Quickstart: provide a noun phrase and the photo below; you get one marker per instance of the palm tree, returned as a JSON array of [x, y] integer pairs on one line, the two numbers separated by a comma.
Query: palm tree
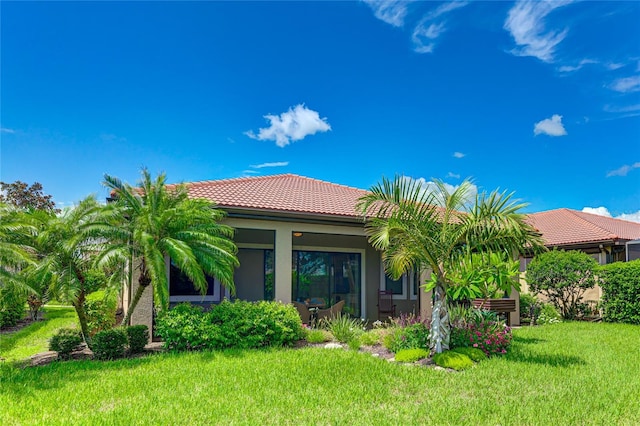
[[159, 222], [417, 227], [69, 244], [15, 251]]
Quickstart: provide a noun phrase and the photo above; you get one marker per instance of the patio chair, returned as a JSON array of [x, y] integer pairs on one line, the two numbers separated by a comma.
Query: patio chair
[[385, 304], [303, 311], [332, 312]]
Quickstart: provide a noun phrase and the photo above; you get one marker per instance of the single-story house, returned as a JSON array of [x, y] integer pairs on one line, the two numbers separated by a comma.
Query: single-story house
[[298, 238], [301, 239], [604, 238]]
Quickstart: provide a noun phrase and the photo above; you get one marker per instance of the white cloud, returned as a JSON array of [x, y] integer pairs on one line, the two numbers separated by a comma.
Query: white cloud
[[571, 68], [428, 186], [458, 154], [624, 170], [275, 164], [252, 172], [627, 84], [525, 22], [453, 175], [392, 12], [293, 125], [612, 66], [600, 211], [628, 108], [632, 217], [550, 126], [6, 130], [427, 31], [603, 211]]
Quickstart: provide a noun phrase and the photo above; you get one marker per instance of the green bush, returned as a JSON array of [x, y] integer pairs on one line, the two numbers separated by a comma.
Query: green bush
[[109, 344], [65, 341], [475, 354], [453, 360], [343, 327], [237, 324], [411, 355], [620, 284], [563, 277], [101, 315], [371, 337], [11, 314], [137, 338], [319, 336], [548, 315], [407, 332], [186, 327], [246, 325], [527, 302]]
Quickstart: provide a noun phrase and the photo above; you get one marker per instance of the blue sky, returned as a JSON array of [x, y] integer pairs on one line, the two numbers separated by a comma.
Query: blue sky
[[538, 98]]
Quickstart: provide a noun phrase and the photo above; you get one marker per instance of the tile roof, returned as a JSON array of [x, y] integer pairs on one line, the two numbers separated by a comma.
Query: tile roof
[[565, 227], [286, 192]]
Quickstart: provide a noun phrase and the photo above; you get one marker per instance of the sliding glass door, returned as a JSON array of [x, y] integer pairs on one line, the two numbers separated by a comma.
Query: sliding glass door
[[325, 278]]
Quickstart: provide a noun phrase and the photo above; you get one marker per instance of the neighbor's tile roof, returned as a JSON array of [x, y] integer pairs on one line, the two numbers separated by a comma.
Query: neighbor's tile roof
[[286, 192], [565, 226]]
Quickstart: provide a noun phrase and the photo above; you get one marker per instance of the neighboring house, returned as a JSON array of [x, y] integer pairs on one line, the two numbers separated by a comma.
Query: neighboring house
[[604, 238], [298, 238]]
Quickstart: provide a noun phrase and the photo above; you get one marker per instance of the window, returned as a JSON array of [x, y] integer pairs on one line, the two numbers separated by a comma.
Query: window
[[398, 287], [181, 288]]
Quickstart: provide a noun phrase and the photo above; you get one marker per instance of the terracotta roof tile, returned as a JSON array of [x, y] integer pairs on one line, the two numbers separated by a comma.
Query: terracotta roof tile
[[565, 227], [286, 192]]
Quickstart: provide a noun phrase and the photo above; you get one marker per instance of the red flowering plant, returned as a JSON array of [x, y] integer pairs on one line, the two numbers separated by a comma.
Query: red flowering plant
[[481, 331]]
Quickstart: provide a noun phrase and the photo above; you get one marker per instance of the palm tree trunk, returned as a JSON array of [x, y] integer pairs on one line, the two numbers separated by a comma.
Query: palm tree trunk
[[440, 326], [82, 318], [134, 302]]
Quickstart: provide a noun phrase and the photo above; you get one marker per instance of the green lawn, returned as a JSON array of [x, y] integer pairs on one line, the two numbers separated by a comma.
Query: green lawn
[[35, 337], [565, 374]]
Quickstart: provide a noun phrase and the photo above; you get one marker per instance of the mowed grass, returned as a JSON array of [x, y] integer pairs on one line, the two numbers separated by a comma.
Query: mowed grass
[[565, 374], [34, 338]]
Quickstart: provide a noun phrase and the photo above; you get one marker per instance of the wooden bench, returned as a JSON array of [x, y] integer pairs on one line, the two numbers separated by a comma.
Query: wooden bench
[[500, 306]]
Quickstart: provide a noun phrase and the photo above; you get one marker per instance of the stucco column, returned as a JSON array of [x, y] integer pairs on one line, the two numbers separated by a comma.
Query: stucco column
[[514, 317], [283, 249]]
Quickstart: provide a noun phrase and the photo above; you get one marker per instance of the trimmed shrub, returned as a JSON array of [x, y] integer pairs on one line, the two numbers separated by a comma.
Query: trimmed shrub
[[65, 341], [137, 337], [319, 336], [453, 360], [563, 277], [475, 354], [101, 315], [247, 325], [185, 327], [620, 284], [411, 355], [239, 324], [109, 344]]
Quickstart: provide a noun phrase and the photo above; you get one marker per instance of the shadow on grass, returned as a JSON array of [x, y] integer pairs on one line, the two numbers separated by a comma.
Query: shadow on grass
[[17, 379], [10, 340], [548, 359]]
